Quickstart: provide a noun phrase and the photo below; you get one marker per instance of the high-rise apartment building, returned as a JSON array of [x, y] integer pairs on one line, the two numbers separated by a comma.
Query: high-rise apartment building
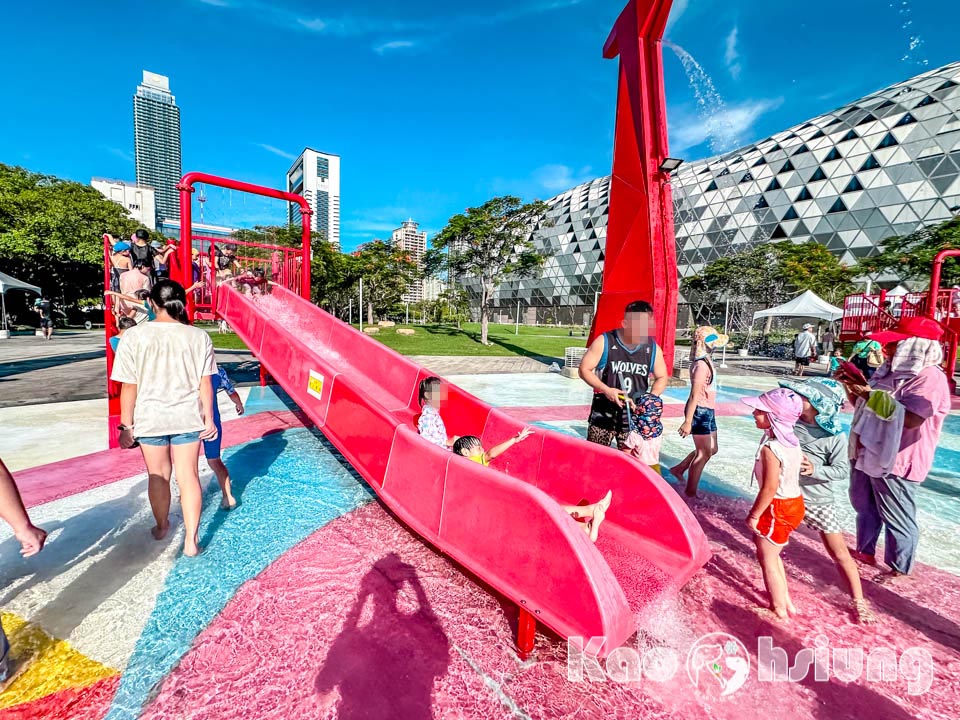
[[156, 140], [316, 176], [408, 238]]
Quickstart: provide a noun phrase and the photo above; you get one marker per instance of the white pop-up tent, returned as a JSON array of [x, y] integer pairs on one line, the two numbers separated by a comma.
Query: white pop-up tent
[[11, 283], [806, 305]]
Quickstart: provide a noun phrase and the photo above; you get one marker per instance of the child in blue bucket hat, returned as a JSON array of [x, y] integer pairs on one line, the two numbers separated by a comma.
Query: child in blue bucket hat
[[824, 466]]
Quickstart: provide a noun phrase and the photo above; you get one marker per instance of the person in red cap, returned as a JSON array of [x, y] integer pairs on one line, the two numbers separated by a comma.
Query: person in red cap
[[912, 377]]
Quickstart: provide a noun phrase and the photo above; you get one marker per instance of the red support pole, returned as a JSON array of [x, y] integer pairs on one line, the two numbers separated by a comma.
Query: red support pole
[[640, 261], [109, 330], [526, 633]]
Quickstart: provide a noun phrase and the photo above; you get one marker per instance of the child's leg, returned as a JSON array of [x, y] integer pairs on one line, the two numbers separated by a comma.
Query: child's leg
[[223, 480], [768, 555], [595, 511], [837, 548], [791, 608], [678, 471], [706, 448]]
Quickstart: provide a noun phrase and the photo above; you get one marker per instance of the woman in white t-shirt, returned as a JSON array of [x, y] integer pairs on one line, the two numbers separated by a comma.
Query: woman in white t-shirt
[[166, 404]]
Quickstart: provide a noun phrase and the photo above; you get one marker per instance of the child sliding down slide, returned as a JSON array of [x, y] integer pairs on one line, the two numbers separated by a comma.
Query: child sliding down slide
[[591, 515]]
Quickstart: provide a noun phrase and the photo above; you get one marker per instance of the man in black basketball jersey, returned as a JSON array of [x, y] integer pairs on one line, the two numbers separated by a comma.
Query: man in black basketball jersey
[[621, 365]]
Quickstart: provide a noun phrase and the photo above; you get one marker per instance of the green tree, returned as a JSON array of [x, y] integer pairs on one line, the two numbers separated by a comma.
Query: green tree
[[51, 233], [488, 243], [910, 257], [387, 273], [768, 274]]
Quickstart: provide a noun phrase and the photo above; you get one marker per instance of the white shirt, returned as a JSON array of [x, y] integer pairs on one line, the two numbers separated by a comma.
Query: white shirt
[[789, 457], [166, 361], [805, 344]]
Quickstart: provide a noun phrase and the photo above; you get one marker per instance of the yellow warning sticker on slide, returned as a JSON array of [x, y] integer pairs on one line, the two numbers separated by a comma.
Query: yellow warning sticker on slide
[[315, 385]]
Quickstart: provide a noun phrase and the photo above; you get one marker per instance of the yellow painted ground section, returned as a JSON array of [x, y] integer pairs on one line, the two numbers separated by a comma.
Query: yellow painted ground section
[[54, 665]]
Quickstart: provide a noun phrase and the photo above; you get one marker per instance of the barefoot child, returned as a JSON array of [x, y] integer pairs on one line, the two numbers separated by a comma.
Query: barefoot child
[[825, 463], [700, 411], [430, 424], [591, 515], [778, 509], [211, 448]]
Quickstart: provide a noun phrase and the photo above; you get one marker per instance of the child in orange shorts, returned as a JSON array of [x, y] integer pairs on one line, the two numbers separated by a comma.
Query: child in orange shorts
[[778, 509]]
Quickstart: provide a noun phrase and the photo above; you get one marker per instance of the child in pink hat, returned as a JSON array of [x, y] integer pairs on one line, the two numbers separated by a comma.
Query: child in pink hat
[[778, 509]]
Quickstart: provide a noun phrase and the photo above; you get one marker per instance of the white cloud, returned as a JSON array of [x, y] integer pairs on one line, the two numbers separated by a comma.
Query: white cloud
[[394, 45], [276, 151], [736, 121], [732, 56], [557, 178], [365, 25], [544, 182], [122, 154], [676, 12]]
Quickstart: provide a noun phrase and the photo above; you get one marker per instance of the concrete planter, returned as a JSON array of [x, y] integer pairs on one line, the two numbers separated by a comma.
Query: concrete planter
[[743, 352]]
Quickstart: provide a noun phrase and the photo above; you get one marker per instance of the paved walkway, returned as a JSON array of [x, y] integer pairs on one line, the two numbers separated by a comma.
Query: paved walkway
[[72, 366], [458, 365]]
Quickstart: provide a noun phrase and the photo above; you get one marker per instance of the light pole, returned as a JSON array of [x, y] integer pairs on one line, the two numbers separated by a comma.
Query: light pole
[[361, 304], [726, 330], [350, 312], [517, 331]]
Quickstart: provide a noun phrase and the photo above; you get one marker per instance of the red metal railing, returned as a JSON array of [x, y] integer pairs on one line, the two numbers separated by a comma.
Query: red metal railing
[[280, 264]]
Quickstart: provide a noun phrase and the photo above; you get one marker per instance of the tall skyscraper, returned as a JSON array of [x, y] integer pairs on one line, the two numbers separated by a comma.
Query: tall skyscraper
[[316, 176], [156, 138], [408, 238]]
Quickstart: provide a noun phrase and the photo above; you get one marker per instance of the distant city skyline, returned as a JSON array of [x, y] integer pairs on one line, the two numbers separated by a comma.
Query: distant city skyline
[[156, 142], [412, 97]]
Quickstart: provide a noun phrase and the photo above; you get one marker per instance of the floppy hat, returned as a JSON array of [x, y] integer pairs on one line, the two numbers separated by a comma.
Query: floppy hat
[[121, 246], [710, 337], [783, 408], [827, 397], [911, 327]]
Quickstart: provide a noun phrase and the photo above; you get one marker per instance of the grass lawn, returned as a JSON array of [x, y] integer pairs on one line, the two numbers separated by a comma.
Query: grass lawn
[[545, 342]]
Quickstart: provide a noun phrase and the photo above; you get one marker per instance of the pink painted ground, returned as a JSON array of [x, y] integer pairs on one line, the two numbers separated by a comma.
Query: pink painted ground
[[363, 620]]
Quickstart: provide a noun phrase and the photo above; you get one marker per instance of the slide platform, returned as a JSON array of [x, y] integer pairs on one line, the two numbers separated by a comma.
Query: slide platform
[[503, 523]]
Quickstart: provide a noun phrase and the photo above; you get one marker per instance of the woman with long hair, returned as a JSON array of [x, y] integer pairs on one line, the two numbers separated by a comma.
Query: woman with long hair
[[166, 404]]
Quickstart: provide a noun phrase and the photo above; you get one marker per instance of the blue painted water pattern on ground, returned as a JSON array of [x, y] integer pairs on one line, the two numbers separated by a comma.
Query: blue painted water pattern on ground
[[288, 485], [267, 399]]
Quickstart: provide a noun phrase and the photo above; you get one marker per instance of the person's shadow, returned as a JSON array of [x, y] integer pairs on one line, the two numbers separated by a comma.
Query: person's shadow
[[385, 666]]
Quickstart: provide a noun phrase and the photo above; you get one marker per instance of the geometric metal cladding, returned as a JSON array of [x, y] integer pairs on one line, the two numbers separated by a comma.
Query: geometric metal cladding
[[885, 165]]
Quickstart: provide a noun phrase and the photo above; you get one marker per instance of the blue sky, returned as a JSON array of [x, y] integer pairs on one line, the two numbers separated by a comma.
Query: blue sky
[[432, 106]]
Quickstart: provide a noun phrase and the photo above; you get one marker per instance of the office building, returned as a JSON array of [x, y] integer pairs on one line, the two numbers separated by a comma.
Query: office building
[[316, 176], [156, 139], [885, 165], [138, 200]]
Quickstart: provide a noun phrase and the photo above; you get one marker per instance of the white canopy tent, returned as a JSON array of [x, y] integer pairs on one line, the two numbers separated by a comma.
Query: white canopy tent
[[806, 305], [11, 283]]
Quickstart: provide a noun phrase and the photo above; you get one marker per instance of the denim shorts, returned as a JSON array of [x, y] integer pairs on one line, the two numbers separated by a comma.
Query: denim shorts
[[165, 440], [704, 421]]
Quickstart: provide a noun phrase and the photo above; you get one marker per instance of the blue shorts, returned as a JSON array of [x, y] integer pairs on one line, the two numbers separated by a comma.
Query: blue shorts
[[704, 422], [211, 448], [165, 440]]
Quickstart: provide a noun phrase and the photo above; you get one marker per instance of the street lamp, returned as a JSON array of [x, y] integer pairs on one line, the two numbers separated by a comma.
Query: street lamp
[[669, 165]]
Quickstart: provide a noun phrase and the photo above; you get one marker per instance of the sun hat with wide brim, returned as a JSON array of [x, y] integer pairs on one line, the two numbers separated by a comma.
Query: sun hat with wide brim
[[910, 327], [710, 337], [783, 408], [827, 397]]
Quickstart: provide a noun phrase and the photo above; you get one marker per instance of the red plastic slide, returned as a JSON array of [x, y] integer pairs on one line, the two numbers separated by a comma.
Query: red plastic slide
[[503, 523]]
